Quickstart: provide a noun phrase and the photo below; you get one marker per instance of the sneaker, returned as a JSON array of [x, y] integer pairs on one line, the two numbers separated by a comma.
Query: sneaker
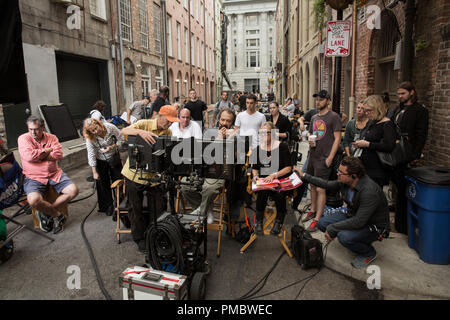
[[210, 219], [259, 228], [361, 262], [45, 222], [311, 215], [276, 229], [313, 226], [59, 223]]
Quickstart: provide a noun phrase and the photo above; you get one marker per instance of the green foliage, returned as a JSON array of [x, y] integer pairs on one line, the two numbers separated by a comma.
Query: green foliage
[[421, 44], [319, 13]]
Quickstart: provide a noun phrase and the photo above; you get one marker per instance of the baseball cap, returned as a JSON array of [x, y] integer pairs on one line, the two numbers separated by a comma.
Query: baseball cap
[[322, 94], [170, 112]]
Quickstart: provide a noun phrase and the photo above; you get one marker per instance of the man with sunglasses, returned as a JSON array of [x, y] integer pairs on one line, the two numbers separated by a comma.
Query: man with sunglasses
[[367, 217]]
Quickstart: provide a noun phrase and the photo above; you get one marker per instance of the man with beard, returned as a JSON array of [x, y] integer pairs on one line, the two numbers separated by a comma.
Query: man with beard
[[412, 121], [326, 125]]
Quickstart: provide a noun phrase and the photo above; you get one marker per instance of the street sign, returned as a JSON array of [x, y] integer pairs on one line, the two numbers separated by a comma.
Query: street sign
[[338, 38]]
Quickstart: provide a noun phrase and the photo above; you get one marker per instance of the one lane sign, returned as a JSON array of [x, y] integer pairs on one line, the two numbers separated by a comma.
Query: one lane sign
[[338, 38]]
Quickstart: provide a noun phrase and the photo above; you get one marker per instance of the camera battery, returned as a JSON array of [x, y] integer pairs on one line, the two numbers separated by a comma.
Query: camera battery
[[139, 283]]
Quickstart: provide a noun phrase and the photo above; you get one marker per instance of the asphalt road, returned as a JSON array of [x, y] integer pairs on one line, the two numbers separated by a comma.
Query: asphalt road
[[38, 269]]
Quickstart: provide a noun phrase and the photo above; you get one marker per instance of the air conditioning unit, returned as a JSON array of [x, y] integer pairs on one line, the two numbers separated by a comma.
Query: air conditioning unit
[[65, 2]]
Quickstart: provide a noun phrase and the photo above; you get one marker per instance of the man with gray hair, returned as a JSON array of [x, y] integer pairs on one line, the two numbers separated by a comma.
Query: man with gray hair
[[39, 152]]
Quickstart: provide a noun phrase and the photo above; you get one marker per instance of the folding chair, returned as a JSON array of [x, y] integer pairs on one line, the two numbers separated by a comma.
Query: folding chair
[[11, 194], [121, 208]]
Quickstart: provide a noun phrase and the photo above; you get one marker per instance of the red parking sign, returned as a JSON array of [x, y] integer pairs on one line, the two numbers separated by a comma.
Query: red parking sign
[[338, 38]]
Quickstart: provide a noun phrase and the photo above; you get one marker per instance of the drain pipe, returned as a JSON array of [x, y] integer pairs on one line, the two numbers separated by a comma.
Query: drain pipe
[[121, 52], [352, 98]]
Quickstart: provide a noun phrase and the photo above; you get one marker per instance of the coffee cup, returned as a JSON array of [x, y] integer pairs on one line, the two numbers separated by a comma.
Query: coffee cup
[[313, 139]]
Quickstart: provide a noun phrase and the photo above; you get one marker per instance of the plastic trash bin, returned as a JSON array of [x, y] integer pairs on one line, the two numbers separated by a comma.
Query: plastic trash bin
[[428, 193]]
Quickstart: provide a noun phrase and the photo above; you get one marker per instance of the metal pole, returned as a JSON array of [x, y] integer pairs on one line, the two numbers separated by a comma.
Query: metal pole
[[337, 76], [121, 51], [164, 18], [352, 99]]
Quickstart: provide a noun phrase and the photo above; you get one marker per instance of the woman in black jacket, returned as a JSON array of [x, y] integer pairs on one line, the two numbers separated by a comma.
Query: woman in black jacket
[[379, 135]]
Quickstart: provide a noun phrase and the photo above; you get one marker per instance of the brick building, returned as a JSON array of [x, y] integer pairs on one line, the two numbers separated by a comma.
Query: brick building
[[380, 61], [140, 24], [190, 29], [67, 57]]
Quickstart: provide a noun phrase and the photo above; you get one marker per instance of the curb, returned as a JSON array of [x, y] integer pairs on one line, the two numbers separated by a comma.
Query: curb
[[402, 272]]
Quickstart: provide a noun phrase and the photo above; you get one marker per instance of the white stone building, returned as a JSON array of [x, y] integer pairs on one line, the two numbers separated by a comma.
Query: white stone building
[[251, 50]]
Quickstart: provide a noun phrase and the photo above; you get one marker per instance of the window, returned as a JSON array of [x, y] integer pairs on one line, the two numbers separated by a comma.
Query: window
[[192, 49], [191, 5], [202, 60], [145, 80], [98, 8], [143, 23], [252, 42], [362, 14], [252, 32], [198, 52], [201, 13], [125, 19], [252, 59], [186, 4], [179, 41], [157, 18], [158, 79], [186, 41], [169, 36], [251, 20]]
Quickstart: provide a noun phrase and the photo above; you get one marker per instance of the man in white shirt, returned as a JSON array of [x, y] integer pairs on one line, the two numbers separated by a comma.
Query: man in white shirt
[[135, 110], [249, 121], [186, 128]]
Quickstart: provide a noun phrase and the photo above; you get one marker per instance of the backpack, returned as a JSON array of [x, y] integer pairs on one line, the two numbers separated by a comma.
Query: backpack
[[307, 250]]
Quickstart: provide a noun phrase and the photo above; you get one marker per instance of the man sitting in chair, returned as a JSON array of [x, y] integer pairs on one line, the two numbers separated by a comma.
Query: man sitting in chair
[[135, 186], [367, 216], [39, 152], [279, 166], [202, 200]]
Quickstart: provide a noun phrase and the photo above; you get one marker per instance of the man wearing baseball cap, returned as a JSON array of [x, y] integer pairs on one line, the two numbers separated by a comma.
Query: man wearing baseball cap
[[325, 127], [135, 186]]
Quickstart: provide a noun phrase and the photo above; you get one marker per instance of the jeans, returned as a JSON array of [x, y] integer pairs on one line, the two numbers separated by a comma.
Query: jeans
[[302, 189], [358, 241]]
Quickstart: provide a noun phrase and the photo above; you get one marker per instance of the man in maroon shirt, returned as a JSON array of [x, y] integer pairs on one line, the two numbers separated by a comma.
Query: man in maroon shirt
[[39, 152]]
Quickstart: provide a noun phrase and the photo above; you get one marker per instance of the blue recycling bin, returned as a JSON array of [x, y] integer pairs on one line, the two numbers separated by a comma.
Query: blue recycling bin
[[428, 194]]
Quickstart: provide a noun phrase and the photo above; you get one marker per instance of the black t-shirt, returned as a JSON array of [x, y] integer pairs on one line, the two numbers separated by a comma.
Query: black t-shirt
[[159, 102], [196, 107], [283, 162], [283, 124]]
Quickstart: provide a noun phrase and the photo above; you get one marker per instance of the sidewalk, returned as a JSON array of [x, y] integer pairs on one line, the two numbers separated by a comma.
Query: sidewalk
[[401, 269]]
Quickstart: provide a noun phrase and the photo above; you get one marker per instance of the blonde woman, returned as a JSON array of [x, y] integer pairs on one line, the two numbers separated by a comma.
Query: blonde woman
[[102, 143], [279, 167], [379, 135]]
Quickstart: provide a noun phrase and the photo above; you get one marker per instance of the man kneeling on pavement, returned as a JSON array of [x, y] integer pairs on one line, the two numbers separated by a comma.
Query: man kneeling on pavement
[[367, 216]]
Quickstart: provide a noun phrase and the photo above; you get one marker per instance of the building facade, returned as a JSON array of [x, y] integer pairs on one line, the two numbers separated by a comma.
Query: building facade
[[396, 41], [138, 50], [251, 46], [67, 56], [190, 34]]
